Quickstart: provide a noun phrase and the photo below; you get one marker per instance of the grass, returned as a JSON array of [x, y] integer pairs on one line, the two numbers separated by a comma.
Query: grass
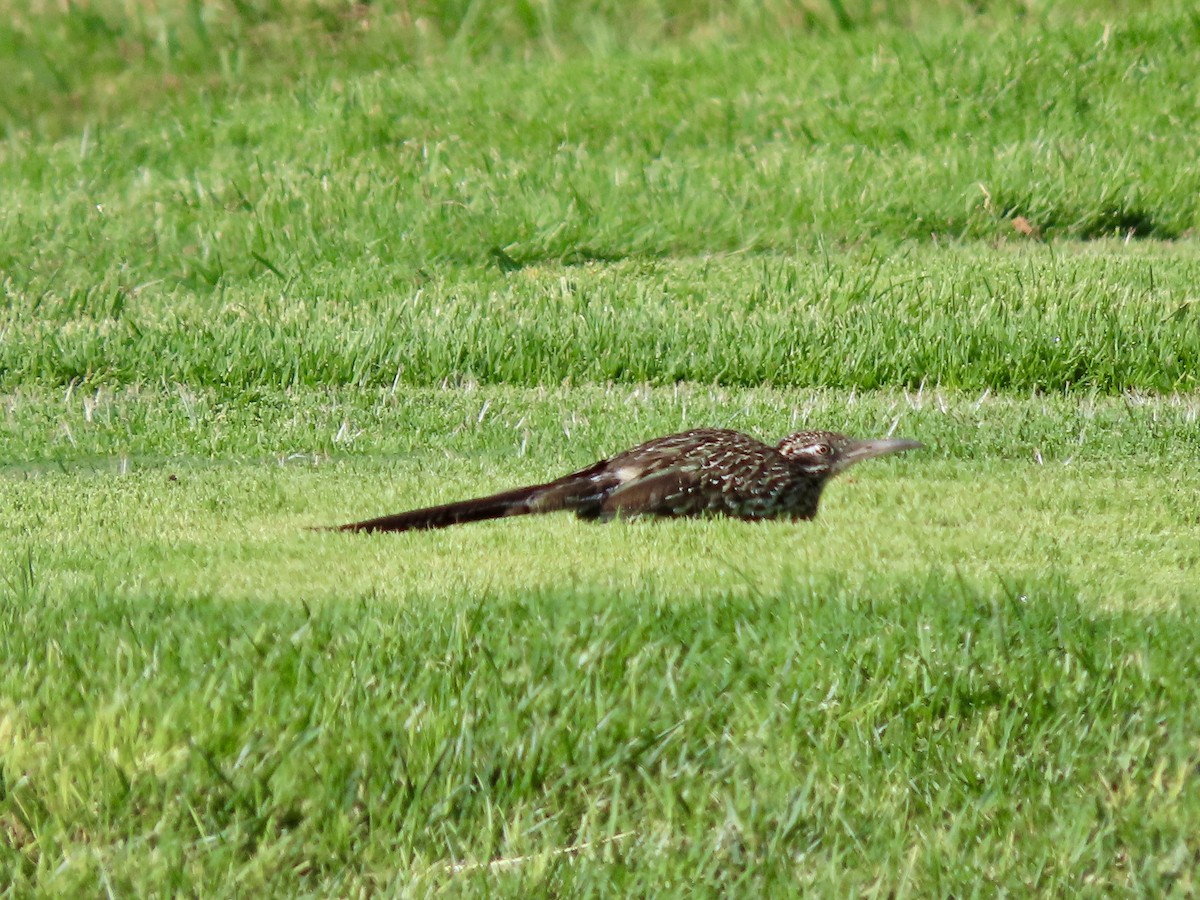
[[769, 147], [970, 505], [903, 733], [1107, 319], [968, 647], [129, 53], [268, 265]]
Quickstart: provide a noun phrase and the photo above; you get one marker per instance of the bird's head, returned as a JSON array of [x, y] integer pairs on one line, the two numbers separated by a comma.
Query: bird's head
[[824, 454]]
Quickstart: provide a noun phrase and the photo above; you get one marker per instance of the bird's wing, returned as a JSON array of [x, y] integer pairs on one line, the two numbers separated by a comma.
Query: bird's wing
[[673, 491], [673, 476], [580, 491], [676, 475]]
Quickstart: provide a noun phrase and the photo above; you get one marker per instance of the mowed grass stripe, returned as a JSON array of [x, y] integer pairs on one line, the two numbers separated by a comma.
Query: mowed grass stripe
[[473, 428], [203, 499], [1118, 539], [898, 731], [1099, 319]]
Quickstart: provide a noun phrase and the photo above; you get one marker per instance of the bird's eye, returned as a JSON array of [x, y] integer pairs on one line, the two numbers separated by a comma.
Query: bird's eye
[[821, 449]]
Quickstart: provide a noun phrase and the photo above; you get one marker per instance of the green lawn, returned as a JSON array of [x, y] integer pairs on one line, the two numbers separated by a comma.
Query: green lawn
[[272, 264]]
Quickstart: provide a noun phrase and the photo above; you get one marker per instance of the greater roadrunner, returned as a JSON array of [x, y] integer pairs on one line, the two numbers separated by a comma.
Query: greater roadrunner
[[707, 471]]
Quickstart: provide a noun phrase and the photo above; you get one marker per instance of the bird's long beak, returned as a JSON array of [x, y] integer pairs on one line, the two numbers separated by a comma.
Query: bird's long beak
[[871, 449]]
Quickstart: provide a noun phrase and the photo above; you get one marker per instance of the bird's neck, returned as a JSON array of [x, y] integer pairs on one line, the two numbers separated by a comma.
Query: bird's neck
[[805, 497]]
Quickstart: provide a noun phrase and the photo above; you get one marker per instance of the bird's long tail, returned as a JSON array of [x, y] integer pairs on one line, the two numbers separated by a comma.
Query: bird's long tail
[[580, 491], [519, 502]]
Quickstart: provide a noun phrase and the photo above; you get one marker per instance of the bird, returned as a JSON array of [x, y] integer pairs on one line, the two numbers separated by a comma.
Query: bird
[[701, 472]]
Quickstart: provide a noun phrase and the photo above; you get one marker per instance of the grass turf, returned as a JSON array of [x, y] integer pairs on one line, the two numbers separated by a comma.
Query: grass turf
[[1105, 318], [894, 733], [284, 264], [968, 647]]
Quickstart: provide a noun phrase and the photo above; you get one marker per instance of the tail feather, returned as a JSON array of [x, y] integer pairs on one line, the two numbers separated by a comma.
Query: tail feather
[[579, 492], [497, 506]]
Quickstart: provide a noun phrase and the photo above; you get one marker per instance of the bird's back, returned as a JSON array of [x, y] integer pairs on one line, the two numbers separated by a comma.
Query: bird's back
[[705, 470]]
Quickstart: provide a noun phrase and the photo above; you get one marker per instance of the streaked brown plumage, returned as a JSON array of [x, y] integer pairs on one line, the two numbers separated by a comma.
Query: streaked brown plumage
[[707, 471]]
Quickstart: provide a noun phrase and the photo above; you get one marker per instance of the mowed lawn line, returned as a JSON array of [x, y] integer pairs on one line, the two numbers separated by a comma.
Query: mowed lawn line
[[212, 496], [1117, 537], [1095, 318], [464, 430], [902, 729]]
